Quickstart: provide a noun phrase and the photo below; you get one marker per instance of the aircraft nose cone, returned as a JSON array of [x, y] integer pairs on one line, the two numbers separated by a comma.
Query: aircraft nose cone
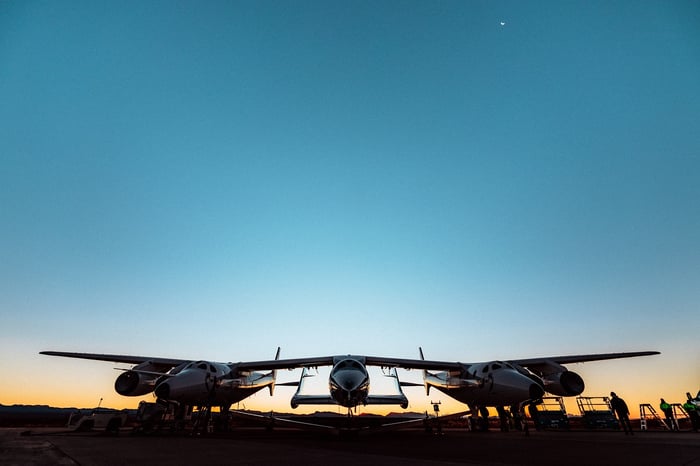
[[163, 391], [536, 391]]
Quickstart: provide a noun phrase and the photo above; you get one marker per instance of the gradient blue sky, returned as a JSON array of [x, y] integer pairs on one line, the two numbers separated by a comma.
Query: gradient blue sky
[[214, 179]]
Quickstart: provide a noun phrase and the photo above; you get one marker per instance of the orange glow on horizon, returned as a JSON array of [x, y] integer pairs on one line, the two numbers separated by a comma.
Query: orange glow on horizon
[[264, 403]]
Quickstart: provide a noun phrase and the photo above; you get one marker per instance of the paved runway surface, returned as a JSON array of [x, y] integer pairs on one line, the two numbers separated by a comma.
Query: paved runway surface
[[411, 447]]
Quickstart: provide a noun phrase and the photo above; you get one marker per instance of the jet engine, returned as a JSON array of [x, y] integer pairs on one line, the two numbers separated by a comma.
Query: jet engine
[[135, 383], [564, 383]]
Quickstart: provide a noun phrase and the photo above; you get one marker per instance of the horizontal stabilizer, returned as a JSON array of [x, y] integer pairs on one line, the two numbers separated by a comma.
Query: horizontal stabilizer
[[288, 384], [387, 400], [411, 384], [313, 400]]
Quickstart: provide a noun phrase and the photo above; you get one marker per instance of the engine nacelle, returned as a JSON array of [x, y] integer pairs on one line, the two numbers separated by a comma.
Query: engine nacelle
[[564, 383], [134, 383]]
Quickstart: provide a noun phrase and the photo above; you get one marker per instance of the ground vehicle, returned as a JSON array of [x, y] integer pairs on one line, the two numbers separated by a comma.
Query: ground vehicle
[[109, 420]]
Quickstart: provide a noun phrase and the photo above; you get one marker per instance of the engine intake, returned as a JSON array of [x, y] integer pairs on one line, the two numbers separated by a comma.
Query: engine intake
[[134, 383], [565, 383]]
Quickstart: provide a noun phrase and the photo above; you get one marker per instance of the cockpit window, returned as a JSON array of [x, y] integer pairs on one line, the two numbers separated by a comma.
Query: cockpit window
[[495, 366], [349, 364], [211, 368], [485, 369], [202, 366]]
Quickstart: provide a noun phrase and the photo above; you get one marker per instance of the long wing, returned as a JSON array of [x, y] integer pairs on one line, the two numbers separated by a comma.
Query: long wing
[[270, 364], [369, 360], [581, 358], [428, 364], [412, 363], [285, 363], [534, 363], [328, 361], [118, 358]]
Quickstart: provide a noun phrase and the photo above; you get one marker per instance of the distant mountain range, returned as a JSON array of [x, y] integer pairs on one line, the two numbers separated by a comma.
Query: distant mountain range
[[41, 415]]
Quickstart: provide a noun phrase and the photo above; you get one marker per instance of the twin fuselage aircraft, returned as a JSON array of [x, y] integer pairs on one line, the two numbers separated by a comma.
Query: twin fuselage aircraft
[[495, 383]]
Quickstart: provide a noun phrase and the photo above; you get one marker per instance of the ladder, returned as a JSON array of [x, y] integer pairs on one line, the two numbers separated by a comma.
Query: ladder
[[679, 410], [643, 408], [678, 413]]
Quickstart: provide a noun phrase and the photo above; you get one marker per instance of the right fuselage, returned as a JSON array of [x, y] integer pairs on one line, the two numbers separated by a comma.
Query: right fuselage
[[488, 384]]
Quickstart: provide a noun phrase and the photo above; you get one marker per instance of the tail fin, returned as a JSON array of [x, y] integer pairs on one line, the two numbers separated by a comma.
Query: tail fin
[[274, 374], [425, 372]]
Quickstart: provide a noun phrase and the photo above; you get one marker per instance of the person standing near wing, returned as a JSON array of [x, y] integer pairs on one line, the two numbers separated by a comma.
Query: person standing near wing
[[668, 412], [620, 408]]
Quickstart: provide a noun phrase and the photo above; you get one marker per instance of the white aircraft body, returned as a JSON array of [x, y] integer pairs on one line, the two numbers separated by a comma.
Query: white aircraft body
[[494, 383]]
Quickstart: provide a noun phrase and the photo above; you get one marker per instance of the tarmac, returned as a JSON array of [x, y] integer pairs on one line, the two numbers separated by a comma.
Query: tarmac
[[256, 446]]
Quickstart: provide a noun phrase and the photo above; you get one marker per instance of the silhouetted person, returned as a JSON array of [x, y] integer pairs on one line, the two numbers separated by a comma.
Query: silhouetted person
[[503, 417], [668, 412], [517, 417], [692, 411], [620, 409], [484, 418]]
